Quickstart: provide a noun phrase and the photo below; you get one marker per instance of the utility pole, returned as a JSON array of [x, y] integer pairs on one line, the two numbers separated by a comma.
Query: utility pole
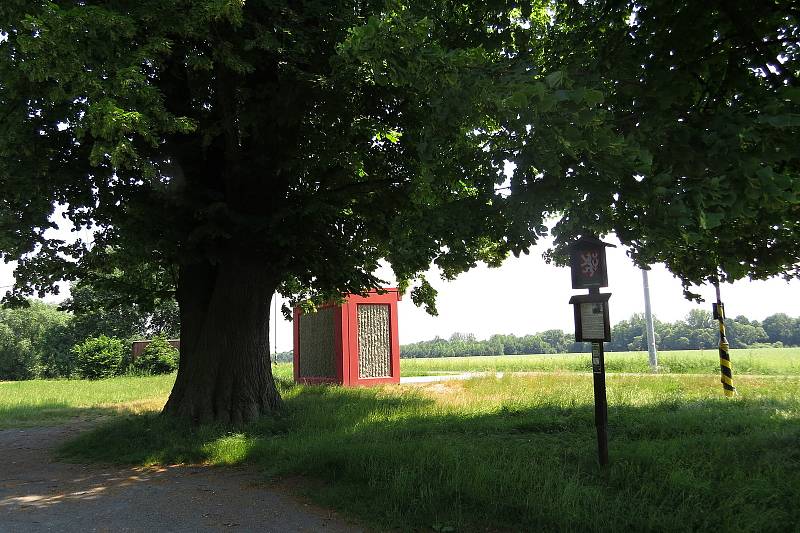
[[650, 334], [275, 328]]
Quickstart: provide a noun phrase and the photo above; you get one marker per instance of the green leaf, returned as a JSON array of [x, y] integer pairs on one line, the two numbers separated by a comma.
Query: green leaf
[[555, 79]]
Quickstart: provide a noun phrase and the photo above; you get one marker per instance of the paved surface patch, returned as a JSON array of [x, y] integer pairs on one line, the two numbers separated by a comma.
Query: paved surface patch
[[443, 377], [38, 494]]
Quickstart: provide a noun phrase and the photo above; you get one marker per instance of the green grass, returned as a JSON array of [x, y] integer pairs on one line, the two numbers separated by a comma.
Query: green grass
[[49, 402], [761, 361], [516, 453]]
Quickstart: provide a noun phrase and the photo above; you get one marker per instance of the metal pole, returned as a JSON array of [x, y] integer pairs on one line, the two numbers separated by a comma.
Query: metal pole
[[650, 335], [275, 328], [724, 355], [600, 402]]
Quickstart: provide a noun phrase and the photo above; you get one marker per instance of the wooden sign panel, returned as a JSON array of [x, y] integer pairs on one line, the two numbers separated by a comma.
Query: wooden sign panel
[[588, 263], [591, 317]]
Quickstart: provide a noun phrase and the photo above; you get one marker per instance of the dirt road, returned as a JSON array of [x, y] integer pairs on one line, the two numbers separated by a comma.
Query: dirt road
[[40, 494]]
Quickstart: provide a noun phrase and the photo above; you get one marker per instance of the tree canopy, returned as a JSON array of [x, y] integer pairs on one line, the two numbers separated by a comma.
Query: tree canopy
[[709, 93], [374, 125], [245, 146], [99, 307]]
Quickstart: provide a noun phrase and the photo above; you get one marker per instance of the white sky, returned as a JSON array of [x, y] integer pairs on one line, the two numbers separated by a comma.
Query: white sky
[[526, 295]]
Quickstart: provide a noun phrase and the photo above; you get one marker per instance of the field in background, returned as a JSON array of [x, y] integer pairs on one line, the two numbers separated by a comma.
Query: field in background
[[762, 361], [49, 402], [42, 402]]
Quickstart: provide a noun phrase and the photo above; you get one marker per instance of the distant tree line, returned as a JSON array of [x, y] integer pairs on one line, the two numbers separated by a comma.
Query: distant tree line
[[283, 357], [698, 330], [90, 335], [87, 335], [463, 344]]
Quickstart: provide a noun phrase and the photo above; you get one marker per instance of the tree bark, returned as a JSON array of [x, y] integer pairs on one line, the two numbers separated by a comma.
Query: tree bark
[[224, 373]]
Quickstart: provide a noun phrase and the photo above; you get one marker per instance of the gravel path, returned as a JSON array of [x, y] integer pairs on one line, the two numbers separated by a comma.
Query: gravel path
[[38, 494]]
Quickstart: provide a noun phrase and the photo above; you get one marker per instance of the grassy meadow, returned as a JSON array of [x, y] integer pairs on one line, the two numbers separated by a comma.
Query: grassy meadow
[[761, 361], [510, 453], [50, 402]]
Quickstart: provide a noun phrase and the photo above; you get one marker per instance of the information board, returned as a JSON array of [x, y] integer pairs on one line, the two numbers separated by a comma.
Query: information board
[[593, 324], [591, 317]]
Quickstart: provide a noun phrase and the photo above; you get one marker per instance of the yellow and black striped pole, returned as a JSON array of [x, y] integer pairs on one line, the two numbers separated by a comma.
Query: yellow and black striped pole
[[724, 354]]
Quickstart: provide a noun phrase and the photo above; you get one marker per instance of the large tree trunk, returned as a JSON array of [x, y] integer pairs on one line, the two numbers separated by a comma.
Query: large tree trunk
[[224, 373]]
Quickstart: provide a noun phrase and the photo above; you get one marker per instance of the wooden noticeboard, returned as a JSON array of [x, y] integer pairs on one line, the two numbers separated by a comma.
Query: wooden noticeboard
[[591, 317]]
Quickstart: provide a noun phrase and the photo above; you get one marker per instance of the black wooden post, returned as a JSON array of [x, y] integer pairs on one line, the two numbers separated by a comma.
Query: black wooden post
[[600, 402]]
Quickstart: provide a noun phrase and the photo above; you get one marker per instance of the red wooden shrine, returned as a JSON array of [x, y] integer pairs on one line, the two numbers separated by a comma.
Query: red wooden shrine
[[355, 343]]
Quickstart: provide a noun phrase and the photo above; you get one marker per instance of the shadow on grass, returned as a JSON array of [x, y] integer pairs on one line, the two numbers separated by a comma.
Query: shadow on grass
[[402, 461]]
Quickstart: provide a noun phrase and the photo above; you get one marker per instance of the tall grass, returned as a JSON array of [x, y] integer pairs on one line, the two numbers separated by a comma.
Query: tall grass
[[515, 453], [762, 361]]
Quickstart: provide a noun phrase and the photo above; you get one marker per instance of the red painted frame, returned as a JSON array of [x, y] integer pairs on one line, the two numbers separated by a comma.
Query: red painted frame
[[346, 340]]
